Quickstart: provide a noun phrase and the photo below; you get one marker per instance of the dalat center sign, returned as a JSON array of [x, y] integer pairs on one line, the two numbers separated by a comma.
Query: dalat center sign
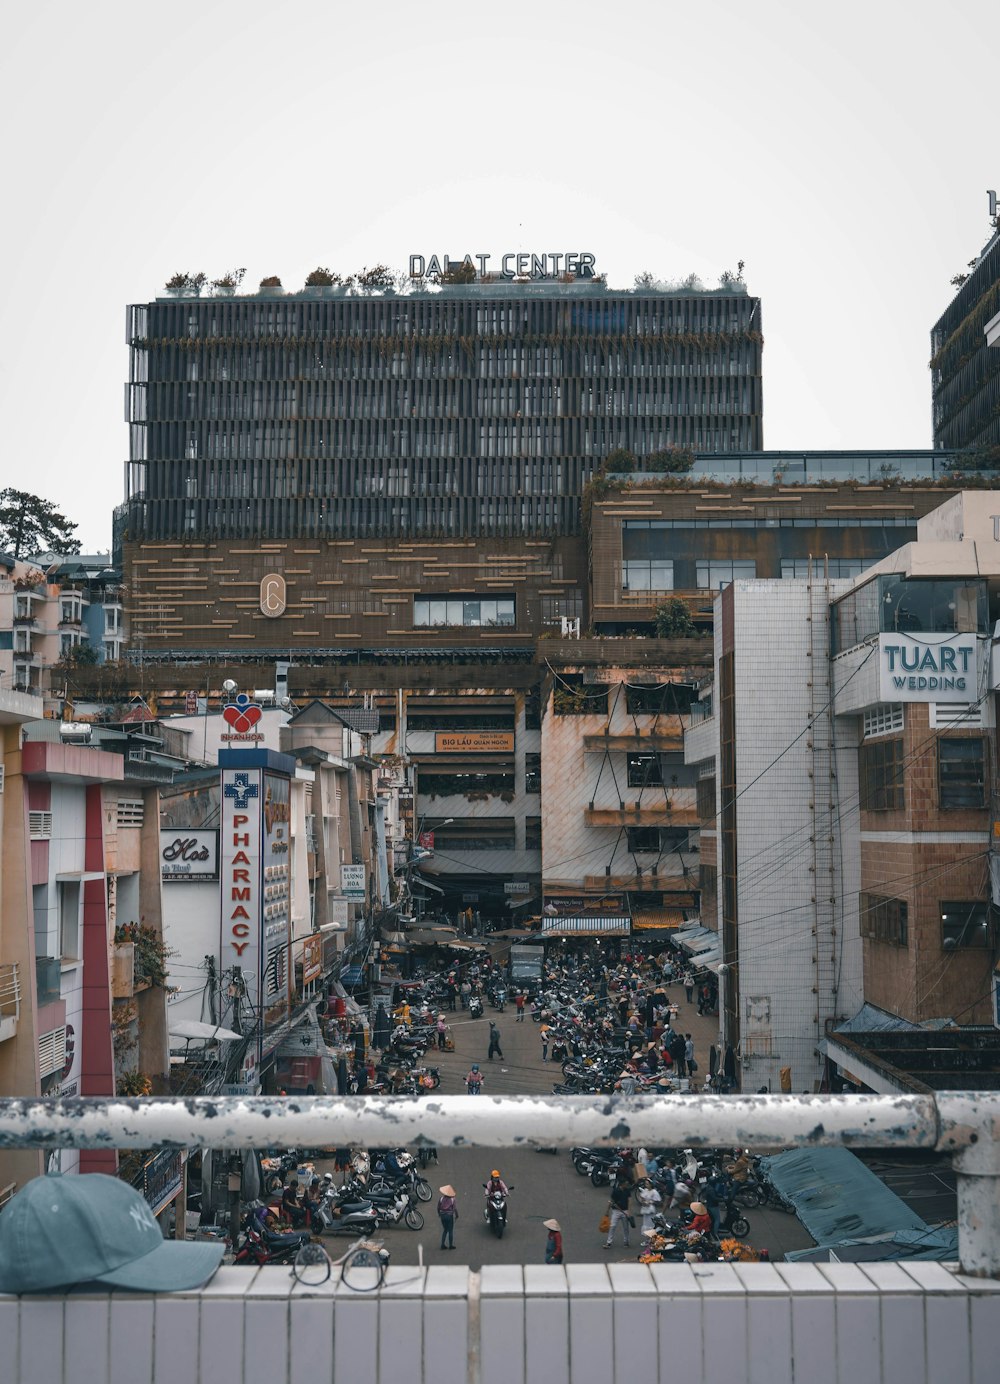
[[514, 264]]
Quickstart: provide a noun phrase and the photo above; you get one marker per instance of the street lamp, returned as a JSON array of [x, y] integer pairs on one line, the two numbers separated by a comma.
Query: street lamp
[[413, 845]]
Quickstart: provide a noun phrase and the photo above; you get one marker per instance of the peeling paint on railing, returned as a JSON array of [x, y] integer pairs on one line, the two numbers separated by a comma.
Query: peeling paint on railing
[[964, 1124]]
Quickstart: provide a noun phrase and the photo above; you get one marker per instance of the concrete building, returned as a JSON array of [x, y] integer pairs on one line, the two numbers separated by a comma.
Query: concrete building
[[851, 821]]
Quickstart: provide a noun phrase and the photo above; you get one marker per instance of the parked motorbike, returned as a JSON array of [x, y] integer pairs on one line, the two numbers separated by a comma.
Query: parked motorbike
[[262, 1246], [337, 1215]]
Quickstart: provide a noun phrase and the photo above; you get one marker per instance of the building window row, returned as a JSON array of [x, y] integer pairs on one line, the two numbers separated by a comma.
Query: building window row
[[444, 611]]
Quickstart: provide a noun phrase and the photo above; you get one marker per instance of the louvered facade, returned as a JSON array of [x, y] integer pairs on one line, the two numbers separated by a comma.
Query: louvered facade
[[475, 411], [965, 371]]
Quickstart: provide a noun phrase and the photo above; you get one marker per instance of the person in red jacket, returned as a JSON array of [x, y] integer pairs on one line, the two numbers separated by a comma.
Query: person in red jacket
[[702, 1221], [553, 1245]]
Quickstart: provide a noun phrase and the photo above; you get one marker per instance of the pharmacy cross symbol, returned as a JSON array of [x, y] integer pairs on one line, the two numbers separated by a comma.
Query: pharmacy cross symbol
[[241, 790]]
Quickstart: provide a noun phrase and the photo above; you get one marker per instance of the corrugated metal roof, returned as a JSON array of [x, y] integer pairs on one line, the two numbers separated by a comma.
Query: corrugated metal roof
[[871, 1019], [581, 926], [362, 719]]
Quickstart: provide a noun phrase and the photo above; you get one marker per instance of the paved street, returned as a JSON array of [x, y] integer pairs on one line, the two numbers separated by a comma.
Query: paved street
[[544, 1185]]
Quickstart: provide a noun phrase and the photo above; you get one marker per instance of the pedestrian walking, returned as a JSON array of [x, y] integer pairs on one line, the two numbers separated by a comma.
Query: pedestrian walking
[[448, 1213], [618, 1211], [494, 1042], [442, 1031], [554, 1244], [544, 1034], [649, 1201], [692, 1065], [688, 984], [519, 1006]]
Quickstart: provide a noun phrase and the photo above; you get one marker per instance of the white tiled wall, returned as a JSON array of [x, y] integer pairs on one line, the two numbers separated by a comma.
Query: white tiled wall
[[917, 1323]]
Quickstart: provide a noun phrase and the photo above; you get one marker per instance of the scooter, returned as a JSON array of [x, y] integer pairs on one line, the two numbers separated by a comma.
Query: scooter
[[495, 1212], [475, 1007], [336, 1216], [400, 1206], [262, 1246]]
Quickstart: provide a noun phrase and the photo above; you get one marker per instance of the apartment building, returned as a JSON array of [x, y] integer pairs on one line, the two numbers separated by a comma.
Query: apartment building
[[852, 772]]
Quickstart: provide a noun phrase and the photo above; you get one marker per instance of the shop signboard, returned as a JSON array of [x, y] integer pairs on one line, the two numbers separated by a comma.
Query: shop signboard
[[474, 742], [352, 882], [191, 856], [276, 882], [927, 668], [240, 874], [312, 958]]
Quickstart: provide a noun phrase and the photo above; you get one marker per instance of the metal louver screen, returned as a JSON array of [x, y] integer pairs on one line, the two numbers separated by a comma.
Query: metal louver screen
[[130, 812], [40, 826], [52, 1052]]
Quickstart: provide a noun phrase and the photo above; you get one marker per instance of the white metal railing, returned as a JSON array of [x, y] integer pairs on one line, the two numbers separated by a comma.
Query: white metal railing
[[10, 992], [964, 1124]]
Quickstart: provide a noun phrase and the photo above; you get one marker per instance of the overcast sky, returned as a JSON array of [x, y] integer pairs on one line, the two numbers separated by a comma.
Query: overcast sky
[[843, 152]]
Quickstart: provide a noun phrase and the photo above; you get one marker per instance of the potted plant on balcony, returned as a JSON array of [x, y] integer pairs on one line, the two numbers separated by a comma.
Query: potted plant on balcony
[[227, 285]]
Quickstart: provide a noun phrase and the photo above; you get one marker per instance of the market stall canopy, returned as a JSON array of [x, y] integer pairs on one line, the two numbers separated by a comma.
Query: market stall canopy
[[431, 936], [398, 938], [191, 1028], [645, 919], [603, 925]]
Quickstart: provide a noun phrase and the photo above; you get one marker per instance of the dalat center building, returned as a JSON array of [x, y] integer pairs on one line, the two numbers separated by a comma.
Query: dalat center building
[[414, 498], [385, 491]]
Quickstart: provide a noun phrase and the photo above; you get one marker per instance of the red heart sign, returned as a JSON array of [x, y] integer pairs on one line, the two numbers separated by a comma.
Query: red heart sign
[[241, 718]]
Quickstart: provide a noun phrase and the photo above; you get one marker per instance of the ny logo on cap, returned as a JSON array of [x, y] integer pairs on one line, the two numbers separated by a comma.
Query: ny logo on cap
[[142, 1216]]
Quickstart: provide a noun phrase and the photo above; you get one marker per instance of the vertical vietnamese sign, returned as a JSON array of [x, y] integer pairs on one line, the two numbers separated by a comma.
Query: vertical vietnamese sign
[[240, 874], [276, 892]]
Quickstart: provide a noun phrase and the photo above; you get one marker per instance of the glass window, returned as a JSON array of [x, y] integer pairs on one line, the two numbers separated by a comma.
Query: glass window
[[532, 833], [643, 840], [961, 772], [641, 574], [881, 775], [892, 604], [460, 612], [713, 575], [833, 567], [644, 771], [884, 920], [965, 925], [532, 773]]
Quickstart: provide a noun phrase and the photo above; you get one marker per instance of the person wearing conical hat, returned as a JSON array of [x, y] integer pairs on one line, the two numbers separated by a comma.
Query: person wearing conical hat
[[554, 1244], [447, 1209]]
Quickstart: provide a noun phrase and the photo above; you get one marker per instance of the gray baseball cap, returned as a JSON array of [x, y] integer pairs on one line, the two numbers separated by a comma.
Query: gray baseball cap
[[58, 1232]]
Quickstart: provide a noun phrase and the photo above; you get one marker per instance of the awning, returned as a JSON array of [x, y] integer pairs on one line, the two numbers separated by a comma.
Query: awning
[[704, 941], [426, 884], [586, 926], [644, 919], [192, 1028], [78, 876]]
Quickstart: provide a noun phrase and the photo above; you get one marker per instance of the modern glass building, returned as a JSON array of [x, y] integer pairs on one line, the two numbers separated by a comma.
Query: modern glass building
[[477, 410], [965, 371]]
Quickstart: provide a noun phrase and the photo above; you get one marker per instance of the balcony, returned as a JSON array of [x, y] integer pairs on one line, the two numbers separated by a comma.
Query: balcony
[[711, 1323], [634, 814], [10, 1001], [48, 971]]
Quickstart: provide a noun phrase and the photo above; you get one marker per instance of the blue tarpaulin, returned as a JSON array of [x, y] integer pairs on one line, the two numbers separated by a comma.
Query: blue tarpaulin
[[841, 1202], [351, 975]]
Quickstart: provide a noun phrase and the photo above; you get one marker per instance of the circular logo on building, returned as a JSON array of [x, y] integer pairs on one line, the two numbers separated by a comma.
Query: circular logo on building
[[272, 595]]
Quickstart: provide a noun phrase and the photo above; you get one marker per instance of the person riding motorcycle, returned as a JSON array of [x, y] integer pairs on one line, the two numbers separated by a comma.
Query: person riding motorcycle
[[496, 1184], [474, 1080]]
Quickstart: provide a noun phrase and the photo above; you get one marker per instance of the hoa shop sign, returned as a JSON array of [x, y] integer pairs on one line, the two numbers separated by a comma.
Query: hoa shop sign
[[240, 875], [927, 668]]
